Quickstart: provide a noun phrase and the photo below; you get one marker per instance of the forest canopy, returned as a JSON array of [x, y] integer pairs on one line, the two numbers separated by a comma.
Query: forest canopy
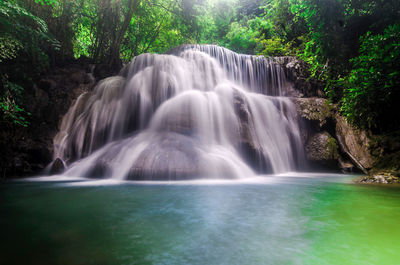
[[351, 45]]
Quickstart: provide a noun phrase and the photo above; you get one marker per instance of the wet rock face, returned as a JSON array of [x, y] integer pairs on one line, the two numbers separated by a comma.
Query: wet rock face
[[316, 127], [27, 151], [297, 72], [355, 143], [316, 110], [319, 135], [252, 153], [356, 149], [177, 156]]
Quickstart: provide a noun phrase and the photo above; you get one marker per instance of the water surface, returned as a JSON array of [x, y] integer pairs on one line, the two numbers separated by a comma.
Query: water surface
[[307, 219]]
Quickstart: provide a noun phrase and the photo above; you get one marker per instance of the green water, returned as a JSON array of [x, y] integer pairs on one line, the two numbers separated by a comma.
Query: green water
[[276, 220]]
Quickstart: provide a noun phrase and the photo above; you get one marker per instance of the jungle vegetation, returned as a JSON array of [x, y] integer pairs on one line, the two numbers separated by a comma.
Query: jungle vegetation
[[353, 46]]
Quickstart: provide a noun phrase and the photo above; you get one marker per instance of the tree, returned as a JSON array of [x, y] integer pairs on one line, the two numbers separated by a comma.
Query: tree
[[25, 35], [372, 88]]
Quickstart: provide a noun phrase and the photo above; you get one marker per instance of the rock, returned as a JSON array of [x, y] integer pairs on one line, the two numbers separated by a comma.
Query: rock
[[252, 153], [345, 165], [57, 166], [355, 143], [318, 116], [104, 70], [78, 77], [315, 116], [322, 148], [100, 169], [381, 177], [89, 78], [42, 98], [171, 154], [297, 72], [47, 84], [314, 109]]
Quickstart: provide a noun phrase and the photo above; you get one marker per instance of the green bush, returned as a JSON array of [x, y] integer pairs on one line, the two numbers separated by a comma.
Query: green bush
[[371, 93], [10, 111], [274, 47]]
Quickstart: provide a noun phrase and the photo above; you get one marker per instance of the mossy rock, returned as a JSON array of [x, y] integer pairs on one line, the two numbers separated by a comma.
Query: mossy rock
[[322, 147], [314, 109], [381, 178]]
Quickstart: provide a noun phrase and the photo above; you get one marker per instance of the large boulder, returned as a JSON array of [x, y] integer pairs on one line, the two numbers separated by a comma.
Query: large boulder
[[316, 110], [57, 166], [315, 115], [322, 149], [355, 143], [318, 132]]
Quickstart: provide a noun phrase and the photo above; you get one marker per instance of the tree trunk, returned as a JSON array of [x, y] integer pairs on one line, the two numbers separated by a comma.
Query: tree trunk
[[114, 59]]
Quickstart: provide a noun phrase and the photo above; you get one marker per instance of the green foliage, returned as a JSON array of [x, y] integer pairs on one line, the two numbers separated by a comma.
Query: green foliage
[[242, 38], [348, 44], [372, 87], [9, 47], [45, 2], [21, 30], [10, 111], [231, 23], [24, 38], [274, 47], [156, 27]]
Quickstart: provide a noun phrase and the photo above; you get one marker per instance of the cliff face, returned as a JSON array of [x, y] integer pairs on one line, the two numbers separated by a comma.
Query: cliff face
[[331, 142], [27, 151], [317, 125]]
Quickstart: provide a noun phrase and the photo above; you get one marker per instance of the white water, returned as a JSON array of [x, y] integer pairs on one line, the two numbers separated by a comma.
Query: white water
[[198, 112]]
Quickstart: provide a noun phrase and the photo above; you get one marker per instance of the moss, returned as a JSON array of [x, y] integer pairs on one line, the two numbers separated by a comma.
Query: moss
[[322, 146], [317, 109], [333, 147], [381, 177]]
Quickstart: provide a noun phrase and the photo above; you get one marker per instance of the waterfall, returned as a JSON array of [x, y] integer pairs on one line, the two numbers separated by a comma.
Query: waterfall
[[199, 111]]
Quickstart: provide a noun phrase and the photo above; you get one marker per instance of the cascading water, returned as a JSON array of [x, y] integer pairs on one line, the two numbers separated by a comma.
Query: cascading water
[[200, 111]]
